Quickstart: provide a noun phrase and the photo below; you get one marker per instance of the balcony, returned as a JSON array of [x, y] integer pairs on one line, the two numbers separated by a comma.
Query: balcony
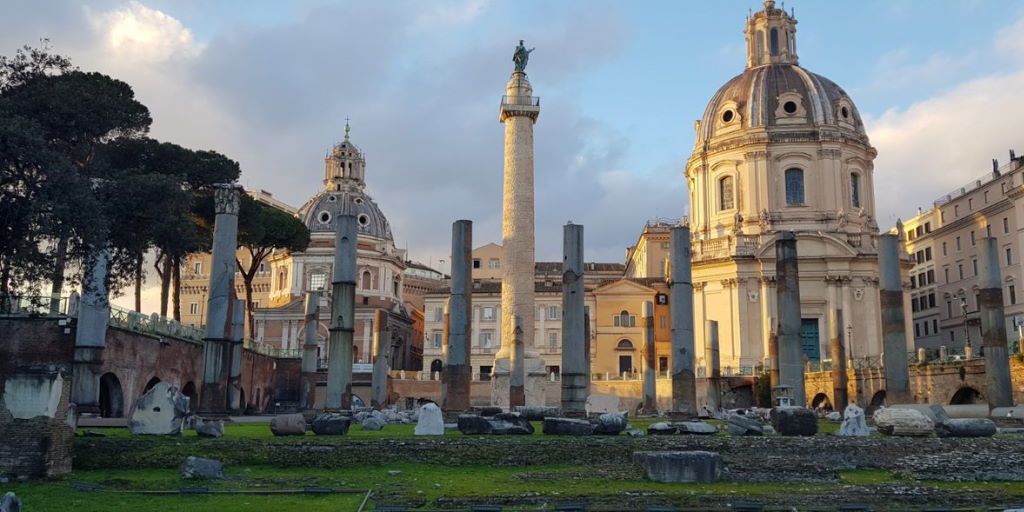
[[725, 247]]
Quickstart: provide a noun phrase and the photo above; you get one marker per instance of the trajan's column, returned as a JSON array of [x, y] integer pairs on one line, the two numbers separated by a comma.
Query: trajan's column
[[519, 111]]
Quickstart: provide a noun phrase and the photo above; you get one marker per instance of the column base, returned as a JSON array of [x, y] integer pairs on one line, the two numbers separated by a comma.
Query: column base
[[534, 385]]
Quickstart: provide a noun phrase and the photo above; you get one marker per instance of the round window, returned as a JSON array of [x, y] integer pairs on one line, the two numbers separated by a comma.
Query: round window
[[363, 219], [727, 116], [845, 112], [359, 200], [789, 107], [324, 217], [332, 198]]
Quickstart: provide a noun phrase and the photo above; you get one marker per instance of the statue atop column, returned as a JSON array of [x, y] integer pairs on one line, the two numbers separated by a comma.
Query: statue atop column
[[521, 57]]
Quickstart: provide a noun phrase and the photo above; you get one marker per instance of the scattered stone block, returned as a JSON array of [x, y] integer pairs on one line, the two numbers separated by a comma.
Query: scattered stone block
[[611, 423], [487, 410], [903, 422], [431, 422], [794, 421], [633, 432], [511, 423], [538, 413], [471, 425], [373, 423], [661, 428], [10, 502], [1011, 413], [208, 428], [199, 467], [331, 424], [161, 411], [934, 412], [966, 427], [288, 425], [834, 416], [695, 428], [740, 425], [854, 423], [567, 427], [680, 466]]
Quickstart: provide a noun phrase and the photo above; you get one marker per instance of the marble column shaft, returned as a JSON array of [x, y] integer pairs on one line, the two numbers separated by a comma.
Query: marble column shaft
[[993, 325], [343, 309], [381, 343], [517, 369], [309, 353], [712, 357], [684, 384], [575, 359], [894, 337], [790, 348], [91, 332], [840, 388], [213, 398], [458, 373], [235, 373], [650, 375]]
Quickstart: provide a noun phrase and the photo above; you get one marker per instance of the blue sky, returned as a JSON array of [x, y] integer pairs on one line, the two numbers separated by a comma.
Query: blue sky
[[270, 84]]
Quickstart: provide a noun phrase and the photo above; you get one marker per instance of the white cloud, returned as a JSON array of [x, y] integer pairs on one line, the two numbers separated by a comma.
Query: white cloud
[[941, 143], [449, 12], [139, 33]]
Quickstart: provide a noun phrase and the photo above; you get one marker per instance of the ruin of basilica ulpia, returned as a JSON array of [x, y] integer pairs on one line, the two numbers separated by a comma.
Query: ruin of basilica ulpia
[[766, 337]]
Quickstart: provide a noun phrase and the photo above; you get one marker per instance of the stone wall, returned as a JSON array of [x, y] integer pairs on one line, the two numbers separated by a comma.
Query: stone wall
[[35, 434]]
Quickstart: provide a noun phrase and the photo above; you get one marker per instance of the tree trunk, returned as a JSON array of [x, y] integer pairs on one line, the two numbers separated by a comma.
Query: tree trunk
[[176, 279], [57, 284], [138, 282], [163, 269], [250, 322]]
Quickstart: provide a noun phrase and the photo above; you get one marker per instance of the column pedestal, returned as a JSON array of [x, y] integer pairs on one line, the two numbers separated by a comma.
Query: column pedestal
[[535, 382]]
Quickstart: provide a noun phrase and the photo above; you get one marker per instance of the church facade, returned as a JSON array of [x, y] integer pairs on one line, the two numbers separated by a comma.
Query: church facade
[[780, 148]]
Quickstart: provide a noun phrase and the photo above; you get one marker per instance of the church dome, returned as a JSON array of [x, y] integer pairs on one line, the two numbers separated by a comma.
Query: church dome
[[779, 95], [322, 211]]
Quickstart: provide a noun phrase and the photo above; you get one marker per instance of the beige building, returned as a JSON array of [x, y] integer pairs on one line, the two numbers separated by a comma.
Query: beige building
[[780, 148], [992, 205]]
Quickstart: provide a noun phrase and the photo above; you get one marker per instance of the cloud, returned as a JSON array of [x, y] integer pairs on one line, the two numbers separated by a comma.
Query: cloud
[[139, 33]]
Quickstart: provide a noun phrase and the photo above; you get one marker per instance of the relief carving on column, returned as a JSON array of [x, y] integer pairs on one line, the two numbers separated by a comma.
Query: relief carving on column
[[226, 198]]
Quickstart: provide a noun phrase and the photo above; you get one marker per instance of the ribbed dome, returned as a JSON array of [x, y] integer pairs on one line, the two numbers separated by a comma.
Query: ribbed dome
[[779, 95], [321, 212]]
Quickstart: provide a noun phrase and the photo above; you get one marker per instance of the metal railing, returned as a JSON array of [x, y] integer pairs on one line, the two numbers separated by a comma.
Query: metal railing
[[153, 324], [31, 305], [267, 349], [529, 101]]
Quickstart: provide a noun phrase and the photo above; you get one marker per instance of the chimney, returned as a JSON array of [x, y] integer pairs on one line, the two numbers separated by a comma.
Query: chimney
[[995, 165], [1013, 156]]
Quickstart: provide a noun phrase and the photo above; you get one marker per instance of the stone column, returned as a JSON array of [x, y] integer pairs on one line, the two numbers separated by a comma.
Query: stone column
[[343, 310], [213, 399], [791, 364], [91, 333], [773, 355], [381, 344], [458, 373], [684, 384], [519, 113], [993, 325], [517, 370], [894, 337], [575, 359], [308, 389], [840, 396], [650, 375], [235, 373], [714, 366]]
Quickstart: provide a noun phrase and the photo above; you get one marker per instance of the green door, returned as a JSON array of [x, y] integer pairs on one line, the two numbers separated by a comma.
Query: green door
[[809, 338]]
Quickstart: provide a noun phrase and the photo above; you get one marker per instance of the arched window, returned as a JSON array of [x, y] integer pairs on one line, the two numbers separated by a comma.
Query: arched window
[[794, 187], [624, 345], [855, 189], [282, 279], [397, 287], [726, 199], [774, 41], [760, 44], [624, 319], [367, 281]]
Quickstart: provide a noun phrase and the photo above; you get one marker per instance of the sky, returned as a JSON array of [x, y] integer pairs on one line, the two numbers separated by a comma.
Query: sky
[[271, 83]]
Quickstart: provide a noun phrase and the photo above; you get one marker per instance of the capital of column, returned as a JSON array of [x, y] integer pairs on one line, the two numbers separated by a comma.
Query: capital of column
[[226, 198]]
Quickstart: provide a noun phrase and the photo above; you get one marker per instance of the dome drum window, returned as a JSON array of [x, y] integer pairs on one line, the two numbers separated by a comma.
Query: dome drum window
[[790, 109], [794, 187], [363, 219], [324, 217]]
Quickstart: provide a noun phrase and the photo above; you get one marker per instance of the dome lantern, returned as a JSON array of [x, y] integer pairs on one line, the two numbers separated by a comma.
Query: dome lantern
[[344, 167], [771, 37]]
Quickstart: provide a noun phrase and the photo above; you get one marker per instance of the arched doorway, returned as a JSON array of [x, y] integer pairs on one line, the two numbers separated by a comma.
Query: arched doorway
[[821, 401], [877, 400], [355, 353], [149, 385], [967, 395], [625, 360], [111, 396], [193, 397], [435, 366]]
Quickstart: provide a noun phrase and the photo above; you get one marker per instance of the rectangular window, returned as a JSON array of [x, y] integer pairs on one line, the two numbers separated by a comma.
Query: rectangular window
[[263, 267], [913, 304], [553, 339], [197, 267], [944, 252], [855, 189], [973, 240], [917, 330], [494, 264], [1006, 225], [931, 276], [616, 321], [438, 339], [931, 300], [913, 282], [974, 266], [439, 314], [1009, 256], [970, 204], [552, 313], [925, 326], [988, 230], [486, 338], [485, 373], [476, 263], [927, 227], [960, 269], [1013, 294], [935, 326], [956, 210], [927, 253], [488, 313], [958, 243], [193, 308], [986, 196], [317, 281], [945, 271], [949, 309]]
